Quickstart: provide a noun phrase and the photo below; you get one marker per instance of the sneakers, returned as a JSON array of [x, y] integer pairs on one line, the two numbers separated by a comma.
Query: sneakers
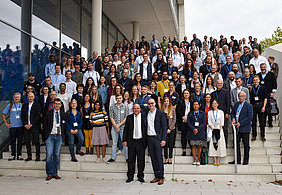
[[13, 158], [194, 162], [80, 153], [198, 163], [119, 152], [104, 160], [20, 158], [74, 159], [111, 160], [98, 160]]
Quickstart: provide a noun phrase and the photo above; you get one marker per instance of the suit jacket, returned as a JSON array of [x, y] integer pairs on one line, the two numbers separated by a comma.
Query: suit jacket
[[48, 123], [34, 114], [226, 85], [245, 117], [41, 101], [270, 82], [234, 95], [129, 130], [178, 89], [160, 124], [223, 97], [126, 83]]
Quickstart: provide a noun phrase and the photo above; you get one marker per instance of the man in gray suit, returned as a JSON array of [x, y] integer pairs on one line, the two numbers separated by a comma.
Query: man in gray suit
[[234, 92]]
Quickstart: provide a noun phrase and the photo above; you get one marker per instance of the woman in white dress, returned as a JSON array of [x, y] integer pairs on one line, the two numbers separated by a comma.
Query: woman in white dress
[[217, 146]]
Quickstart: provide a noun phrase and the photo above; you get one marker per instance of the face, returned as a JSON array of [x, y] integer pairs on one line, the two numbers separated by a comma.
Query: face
[[144, 90], [45, 90], [209, 80], [52, 59], [48, 81], [186, 94], [53, 95], [31, 78], [235, 68], [29, 89], [165, 76], [182, 79], [114, 82], [30, 97], [136, 109], [77, 67], [119, 99], [256, 53], [68, 75], [241, 97], [118, 90], [174, 75], [231, 76], [80, 89], [57, 105], [90, 66], [62, 88], [263, 68], [126, 96], [57, 69], [94, 90], [238, 82], [196, 106], [228, 60], [84, 65], [166, 102], [97, 106], [103, 79], [213, 68], [208, 98], [135, 90], [169, 61], [138, 77], [219, 84], [17, 98], [90, 81], [247, 72], [171, 86], [87, 97], [73, 104], [197, 87], [125, 73], [214, 105], [151, 104], [256, 80]]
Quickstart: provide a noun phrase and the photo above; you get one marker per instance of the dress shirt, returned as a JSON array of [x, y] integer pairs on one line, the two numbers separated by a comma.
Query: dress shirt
[[137, 127], [29, 111], [55, 127], [71, 87], [257, 61], [177, 60], [50, 69], [232, 84], [57, 80], [151, 123], [95, 76], [66, 99]]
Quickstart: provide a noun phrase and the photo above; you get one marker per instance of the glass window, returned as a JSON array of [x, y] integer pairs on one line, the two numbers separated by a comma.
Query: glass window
[[70, 26], [10, 11], [105, 21], [12, 59], [87, 4], [104, 39], [112, 29], [111, 42], [45, 21], [86, 35]]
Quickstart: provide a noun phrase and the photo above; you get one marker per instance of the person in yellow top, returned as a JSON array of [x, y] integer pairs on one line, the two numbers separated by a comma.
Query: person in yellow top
[[162, 86]]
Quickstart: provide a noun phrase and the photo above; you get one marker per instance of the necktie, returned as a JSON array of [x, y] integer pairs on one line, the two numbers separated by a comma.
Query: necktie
[[136, 127], [57, 122]]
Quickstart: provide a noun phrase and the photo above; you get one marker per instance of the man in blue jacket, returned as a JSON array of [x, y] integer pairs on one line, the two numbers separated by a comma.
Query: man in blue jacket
[[242, 115]]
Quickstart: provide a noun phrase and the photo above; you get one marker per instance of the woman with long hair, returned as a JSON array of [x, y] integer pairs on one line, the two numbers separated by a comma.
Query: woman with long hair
[[94, 95], [171, 121], [172, 95], [182, 85], [118, 90], [102, 89], [209, 87], [206, 105], [160, 64], [189, 69], [134, 93], [131, 62], [88, 85], [127, 101], [69, 66], [153, 93], [112, 73], [113, 83], [138, 81], [99, 121]]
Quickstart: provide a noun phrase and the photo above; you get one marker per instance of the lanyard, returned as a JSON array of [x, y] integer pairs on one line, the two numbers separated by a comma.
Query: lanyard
[[215, 118], [74, 116], [86, 109], [263, 76], [256, 92], [17, 109], [187, 105], [169, 70], [209, 69], [207, 108], [196, 117], [90, 75], [57, 117], [177, 83], [246, 58], [239, 109], [216, 95], [198, 97], [160, 66], [229, 67], [189, 73], [246, 81], [164, 84], [124, 83]]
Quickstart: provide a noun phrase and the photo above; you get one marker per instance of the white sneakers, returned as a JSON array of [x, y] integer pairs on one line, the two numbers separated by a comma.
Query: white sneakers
[[119, 152], [99, 160], [196, 163]]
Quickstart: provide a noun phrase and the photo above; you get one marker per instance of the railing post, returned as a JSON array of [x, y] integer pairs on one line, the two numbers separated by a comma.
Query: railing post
[[235, 147]]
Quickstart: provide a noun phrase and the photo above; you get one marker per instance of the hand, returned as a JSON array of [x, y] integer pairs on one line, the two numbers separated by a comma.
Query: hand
[[41, 126], [211, 128], [117, 130], [185, 119], [168, 131], [272, 95], [73, 132], [226, 115], [238, 125], [233, 121], [124, 143], [195, 131], [8, 125], [118, 125], [263, 109], [162, 143]]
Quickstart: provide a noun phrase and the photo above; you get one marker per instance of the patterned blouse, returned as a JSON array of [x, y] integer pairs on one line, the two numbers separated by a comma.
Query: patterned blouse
[[174, 97]]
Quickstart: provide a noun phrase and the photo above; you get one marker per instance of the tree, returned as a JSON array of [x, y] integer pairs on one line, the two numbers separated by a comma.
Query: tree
[[275, 39]]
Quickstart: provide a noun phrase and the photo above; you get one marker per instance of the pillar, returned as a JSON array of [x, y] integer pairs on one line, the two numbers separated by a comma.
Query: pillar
[[96, 35], [181, 18], [136, 31]]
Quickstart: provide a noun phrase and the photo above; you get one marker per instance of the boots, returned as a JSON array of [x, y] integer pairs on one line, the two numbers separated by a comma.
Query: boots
[[91, 150], [87, 151]]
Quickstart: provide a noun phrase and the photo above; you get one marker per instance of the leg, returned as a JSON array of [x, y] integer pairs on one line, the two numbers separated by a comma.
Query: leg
[[254, 123], [90, 137], [120, 146], [80, 137], [115, 141], [125, 148], [239, 136], [166, 150], [225, 130], [246, 142], [87, 138], [71, 143], [98, 151], [131, 161], [183, 136], [140, 150], [151, 148], [194, 152], [57, 150], [13, 136], [159, 158], [35, 135], [27, 138], [199, 152], [171, 143], [104, 147], [20, 140], [262, 118], [50, 142]]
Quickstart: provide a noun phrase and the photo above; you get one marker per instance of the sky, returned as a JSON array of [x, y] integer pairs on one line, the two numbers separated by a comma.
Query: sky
[[239, 18]]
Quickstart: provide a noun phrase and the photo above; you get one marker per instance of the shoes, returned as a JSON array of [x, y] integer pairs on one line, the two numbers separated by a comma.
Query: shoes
[[233, 162], [56, 177], [74, 159], [166, 162], [169, 162], [141, 180], [198, 163], [87, 151], [48, 178], [104, 160], [37, 158], [254, 139], [218, 164], [215, 164], [126, 160], [183, 153], [263, 139], [154, 180], [161, 182], [13, 158], [270, 125], [91, 151], [245, 163], [20, 158], [111, 160], [194, 162], [119, 152], [80, 153], [98, 160], [28, 159], [129, 180]]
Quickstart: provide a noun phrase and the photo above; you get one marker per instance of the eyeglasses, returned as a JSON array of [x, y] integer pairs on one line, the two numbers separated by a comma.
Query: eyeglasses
[[150, 103]]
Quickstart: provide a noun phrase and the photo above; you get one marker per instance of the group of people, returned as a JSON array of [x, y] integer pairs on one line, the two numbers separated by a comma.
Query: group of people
[[143, 94]]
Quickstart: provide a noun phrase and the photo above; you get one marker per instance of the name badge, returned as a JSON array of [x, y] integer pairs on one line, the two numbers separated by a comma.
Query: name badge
[[165, 90], [170, 77], [17, 116], [197, 124], [87, 116], [75, 124], [190, 79], [159, 71], [63, 121], [123, 88], [122, 112], [246, 65], [237, 115], [173, 97], [170, 116], [262, 82], [256, 98], [57, 125]]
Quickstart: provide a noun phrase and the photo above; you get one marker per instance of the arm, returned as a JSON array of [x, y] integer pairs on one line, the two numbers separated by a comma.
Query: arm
[[249, 117], [174, 119], [69, 122], [125, 133], [164, 127], [80, 120], [6, 111]]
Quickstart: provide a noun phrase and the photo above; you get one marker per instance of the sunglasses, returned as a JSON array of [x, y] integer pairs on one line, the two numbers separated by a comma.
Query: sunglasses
[[150, 103]]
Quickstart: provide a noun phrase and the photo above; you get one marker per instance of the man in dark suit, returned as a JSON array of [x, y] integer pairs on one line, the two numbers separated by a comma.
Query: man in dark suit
[[156, 136], [125, 81], [31, 120], [135, 137], [54, 125], [242, 115], [224, 99], [268, 80]]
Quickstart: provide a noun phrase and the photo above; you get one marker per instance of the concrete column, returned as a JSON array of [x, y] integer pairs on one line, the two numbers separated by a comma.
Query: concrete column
[[181, 18], [136, 31], [96, 41]]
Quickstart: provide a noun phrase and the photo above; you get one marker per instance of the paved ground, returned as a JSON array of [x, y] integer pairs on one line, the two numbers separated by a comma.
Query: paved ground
[[36, 186]]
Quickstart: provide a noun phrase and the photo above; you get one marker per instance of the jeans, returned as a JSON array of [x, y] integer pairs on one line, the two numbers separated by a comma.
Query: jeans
[[71, 137], [53, 148], [115, 136], [16, 133]]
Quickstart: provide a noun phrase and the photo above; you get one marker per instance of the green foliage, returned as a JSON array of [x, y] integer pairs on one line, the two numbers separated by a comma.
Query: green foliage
[[275, 39]]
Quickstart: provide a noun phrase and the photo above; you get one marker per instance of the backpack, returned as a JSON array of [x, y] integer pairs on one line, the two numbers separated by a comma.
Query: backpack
[[204, 158], [272, 107]]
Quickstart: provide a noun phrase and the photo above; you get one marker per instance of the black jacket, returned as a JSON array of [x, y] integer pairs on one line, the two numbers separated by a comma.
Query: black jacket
[[160, 124], [34, 114], [270, 82], [224, 100], [178, 89], [126, 83], [41, 102], [129, 130], [48, 123]]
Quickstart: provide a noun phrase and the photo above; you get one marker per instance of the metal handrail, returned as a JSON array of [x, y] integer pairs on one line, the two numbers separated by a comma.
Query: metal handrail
[[235, 148]]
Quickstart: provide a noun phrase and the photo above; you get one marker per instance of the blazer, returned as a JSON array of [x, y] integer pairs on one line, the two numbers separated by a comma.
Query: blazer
[[34, 114], [48, 123], [270, 82], [191, 126], [172, 120], [129, 130], [245, 117], [180, 110], [41, 101], [48, 102], [178, 89], [127, 83], [223, 97], [226, 85], [234, 95], [160, 124]]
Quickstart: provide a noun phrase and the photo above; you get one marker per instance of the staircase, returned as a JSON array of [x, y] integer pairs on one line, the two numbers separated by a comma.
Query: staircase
[[265, 164]]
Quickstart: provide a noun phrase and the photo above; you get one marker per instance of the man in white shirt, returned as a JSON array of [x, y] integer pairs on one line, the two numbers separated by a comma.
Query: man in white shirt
[[91, 73], [64, 97], [146, 69], [257, 60], [57, 78], [234, 92], [116, 60], [70, 85], [50, 67], [178, 59], [139, 59]]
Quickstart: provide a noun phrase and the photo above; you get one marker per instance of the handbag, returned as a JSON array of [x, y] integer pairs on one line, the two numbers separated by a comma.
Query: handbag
[[272, 107], [204, 158]]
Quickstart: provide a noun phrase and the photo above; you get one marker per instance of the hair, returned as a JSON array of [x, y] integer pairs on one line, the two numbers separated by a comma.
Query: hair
[[99, 82], [57, 100], [185, 69], [204, 102], [87, 84], [71, 66], [190, 96], [214, 100], [17, 93], [96, 96], [79, 85], [129, 99], [212, 83], [114, 92], [97, 102], [63, 84], [135, 81], [170, 111], [271, 57], [131, 94], [47, 88]]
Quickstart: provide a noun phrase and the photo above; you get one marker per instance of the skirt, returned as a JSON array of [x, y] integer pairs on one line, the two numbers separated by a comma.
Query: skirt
[[99, 136], [221, 149], [197, 142]]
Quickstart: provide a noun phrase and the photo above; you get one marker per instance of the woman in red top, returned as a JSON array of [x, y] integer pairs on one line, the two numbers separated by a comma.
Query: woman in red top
[[206, 106]]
